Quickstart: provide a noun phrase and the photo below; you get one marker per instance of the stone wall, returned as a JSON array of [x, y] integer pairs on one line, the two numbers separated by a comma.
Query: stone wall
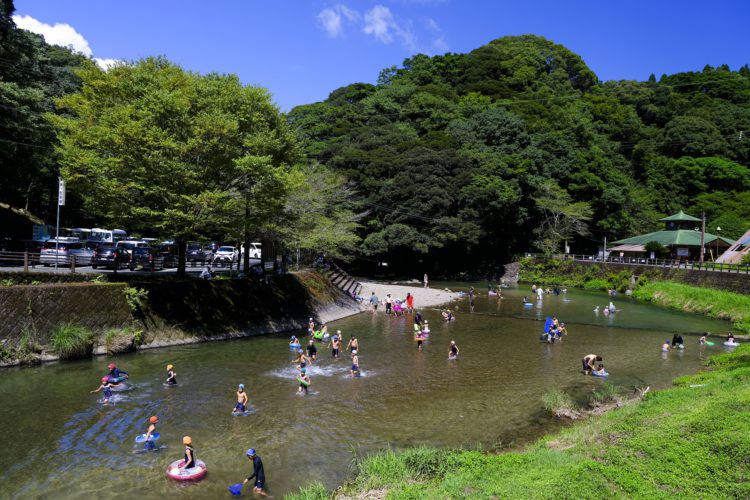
[[38, 309]]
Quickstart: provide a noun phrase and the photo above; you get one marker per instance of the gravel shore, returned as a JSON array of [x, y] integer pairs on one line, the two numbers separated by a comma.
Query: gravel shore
[[423, 297]]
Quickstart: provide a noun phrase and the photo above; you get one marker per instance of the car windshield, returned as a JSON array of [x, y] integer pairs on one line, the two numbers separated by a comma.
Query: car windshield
[[226, 249], [194, 246], [142, 250]]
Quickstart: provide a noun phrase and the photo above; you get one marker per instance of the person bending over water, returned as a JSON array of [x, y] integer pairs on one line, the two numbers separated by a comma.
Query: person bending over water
[[355, 364], [453, 351], [107, 387], [258, 473], [588, 362], [677, 341], [171, 375], [241, 406]]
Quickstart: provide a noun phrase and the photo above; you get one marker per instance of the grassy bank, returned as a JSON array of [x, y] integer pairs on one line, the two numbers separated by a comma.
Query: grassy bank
[[713, 303], [550, 272], [690, 441]]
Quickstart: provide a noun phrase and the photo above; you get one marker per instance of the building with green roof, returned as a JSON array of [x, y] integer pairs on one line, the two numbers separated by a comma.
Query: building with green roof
[[681, 236]]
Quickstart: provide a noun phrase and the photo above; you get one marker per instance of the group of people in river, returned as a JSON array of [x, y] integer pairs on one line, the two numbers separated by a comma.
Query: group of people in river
[[189, 467], [396, 306]]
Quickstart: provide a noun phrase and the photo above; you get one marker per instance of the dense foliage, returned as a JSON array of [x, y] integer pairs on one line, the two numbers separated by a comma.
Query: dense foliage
[[465, 160]]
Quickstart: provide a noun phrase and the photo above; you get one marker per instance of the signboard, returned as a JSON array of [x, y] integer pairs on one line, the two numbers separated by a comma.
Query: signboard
[[61, 193], [683, 252]]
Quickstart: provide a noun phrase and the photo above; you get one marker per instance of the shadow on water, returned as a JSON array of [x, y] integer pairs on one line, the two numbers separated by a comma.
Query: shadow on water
[[67, 444]]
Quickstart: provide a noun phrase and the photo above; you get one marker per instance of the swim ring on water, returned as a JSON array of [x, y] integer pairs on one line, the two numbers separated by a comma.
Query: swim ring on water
[[191, 474], [731, 344], [142, 438], [708, 343], [303, 383], [116, 380], [528, 305], [294, 346], [605, 374]]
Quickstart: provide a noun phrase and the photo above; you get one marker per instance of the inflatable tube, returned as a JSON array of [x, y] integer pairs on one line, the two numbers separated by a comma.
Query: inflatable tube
[[605, 374], [731, 344], [191, 474], [679, 346], [426, 331], [122, 387], [116, 380], [417, 339], [528, 305], [295, 346], [303, 383], [142, 438], [708, 343]]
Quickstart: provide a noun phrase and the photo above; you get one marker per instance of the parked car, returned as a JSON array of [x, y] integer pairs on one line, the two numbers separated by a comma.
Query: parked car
[[254, 250], [196, 253], [225, 255], [109, 256], [130, 245], [146, 258], [169, 254], [63, 251]]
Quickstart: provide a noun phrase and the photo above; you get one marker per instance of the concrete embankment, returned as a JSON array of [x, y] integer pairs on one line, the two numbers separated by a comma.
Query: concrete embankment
[[122, 317]]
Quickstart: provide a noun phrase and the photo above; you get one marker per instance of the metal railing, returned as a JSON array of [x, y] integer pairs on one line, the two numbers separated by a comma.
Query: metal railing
[[694, 265]]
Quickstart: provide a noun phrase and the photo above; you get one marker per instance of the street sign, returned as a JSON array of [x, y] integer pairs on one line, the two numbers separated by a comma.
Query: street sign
[[61, 193]]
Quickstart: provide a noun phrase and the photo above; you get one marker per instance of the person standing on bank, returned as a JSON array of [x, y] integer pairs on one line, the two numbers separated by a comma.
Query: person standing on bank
[[426, 281]]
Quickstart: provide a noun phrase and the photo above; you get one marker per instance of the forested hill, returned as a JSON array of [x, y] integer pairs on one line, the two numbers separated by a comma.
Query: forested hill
[[464, 160]]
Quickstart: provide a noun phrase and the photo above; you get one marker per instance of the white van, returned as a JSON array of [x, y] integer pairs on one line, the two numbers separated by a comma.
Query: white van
[[108, 235]]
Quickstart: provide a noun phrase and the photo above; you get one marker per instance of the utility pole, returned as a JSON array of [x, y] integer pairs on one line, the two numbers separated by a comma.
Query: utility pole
[[703, 234], [604, 252]]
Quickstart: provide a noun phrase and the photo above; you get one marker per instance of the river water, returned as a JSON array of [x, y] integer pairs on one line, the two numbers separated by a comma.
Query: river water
[[59, 441]]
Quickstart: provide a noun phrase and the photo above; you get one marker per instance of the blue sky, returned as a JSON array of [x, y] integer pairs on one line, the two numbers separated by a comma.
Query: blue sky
[[301, 50]]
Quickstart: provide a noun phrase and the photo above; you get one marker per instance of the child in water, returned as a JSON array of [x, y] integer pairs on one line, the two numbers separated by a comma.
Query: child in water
[[453, 351], [355, 364], [148, 444], [241, 405], [171, 375], [420, 340], [189, 459], [304, 382], [665, 346], [107, 389], [600, 370], [335, 345]]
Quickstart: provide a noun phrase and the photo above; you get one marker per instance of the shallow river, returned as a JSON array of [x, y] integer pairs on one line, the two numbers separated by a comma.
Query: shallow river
[[59, 441]]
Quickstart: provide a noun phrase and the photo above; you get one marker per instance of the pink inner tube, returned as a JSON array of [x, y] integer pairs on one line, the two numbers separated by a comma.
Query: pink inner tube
[[191, 474]]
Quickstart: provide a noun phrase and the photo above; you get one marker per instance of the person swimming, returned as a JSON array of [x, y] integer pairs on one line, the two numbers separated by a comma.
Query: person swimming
[[241, 406], [171, 375]]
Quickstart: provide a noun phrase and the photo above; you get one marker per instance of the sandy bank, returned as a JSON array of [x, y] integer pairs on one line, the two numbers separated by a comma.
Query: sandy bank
[[423, 297]]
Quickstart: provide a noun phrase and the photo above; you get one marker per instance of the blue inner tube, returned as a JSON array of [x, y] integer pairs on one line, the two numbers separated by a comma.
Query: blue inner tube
[[605, 374], [294, 346], [142, 437], [117, 380]]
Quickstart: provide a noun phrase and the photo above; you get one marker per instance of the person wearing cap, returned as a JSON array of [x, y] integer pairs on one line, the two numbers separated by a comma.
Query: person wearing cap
[[355, 364], [453, 351], [258, 473], [241, 405], [335, 344], [301, 360], [419, 338], [171, 375], [310, 326], [304, 382], [115, 373], [107, 387], [189, 459], [293, 341], [150, 445], [312, 351]]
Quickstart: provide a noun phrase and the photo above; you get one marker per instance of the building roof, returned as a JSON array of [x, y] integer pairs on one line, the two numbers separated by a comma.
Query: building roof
[[680, 216], [677, 237], [628, 248], [736, 252]]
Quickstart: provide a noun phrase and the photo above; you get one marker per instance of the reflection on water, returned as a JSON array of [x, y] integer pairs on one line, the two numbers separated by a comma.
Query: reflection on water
[[63, 442]]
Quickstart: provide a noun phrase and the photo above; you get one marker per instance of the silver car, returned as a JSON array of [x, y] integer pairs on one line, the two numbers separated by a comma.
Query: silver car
[[63, 251]]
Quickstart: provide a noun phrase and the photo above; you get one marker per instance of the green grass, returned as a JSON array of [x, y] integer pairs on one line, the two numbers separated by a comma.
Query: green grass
[[556, 401], [71, 341], [719, 304], [690, 441]]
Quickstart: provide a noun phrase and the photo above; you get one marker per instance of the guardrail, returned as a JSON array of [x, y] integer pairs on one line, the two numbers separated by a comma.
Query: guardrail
[[718, 267]]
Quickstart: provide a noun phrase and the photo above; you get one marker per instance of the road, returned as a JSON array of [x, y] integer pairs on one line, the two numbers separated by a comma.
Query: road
[[190, 269]]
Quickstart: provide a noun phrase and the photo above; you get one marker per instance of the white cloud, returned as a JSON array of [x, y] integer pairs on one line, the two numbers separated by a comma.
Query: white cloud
[[432, 25], [332, 19], [64, 35], [380, 23], [57, 34]]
